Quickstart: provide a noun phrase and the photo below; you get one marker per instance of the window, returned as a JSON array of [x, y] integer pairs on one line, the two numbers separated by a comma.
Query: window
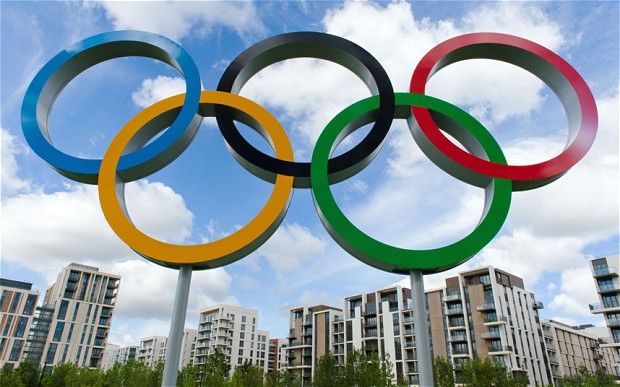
[[21, 326], [7, 326], [242, 318], [241, 352], [16, 298], [60, 326], [241, 344], [16, 350], [243, 327], [239, 360], [30, 304], [62, 311], [2, 299], [51, 353], [70, 331], [75, 311], [242, 335]]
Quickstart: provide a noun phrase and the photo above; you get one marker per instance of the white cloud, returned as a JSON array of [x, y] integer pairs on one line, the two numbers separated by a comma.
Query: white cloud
[[147, 290], [66, 226], [313, 297], [178, 20], [577, 291], [290, 247], [11, 183], [153, 90]]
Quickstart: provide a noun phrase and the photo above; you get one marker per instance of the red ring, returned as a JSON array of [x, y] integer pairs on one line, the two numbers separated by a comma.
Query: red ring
[[549, 67]]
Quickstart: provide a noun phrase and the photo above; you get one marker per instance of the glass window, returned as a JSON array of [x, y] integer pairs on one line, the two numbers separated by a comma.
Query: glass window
[[16, 299], [51, 353], [62, 311], [2, 299], [7, 326], [30, 304], [243, 327], [75, 311], [16, 350], [60, 326], [21, 326]]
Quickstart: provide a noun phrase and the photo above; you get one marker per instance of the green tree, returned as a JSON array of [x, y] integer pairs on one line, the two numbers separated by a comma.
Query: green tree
[[63, 374], [366, 371], [281, 378], [443, 372], [8, 378], [327, 372], [584, 378], [27, 373], [486, 373], [247, 375], [187, 376], [215, 371]]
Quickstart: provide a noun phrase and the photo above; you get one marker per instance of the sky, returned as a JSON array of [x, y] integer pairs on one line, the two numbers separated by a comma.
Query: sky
[[401, 198]]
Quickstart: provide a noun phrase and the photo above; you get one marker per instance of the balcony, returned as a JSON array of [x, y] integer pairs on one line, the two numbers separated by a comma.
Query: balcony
[[608, 288], [538, 305], [490, 335], [495, 320], [603, 308], [613, 322], [452, 297], [485, 307], [605, 272], [495, 349], [452, 311], [370, 311], [454, 338]]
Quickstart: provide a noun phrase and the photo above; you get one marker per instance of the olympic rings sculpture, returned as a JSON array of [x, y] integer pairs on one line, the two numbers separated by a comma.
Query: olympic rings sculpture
[[132, 155]]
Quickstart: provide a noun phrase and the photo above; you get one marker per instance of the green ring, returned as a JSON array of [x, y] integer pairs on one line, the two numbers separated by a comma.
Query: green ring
[[465, 129]]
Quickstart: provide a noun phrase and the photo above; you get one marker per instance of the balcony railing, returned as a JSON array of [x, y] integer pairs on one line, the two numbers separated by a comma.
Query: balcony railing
[[452, 311], [452, 297], [500, 348], [486, 306], [495, 319], [605, 271], [490, 335], [461, 337], [607, 288]]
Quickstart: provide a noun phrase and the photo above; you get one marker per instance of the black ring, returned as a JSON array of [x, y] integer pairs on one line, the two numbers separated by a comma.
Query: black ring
[[306, 45]]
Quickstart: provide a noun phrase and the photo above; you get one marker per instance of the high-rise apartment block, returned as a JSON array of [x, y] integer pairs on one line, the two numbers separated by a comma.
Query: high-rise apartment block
[[380, 322], [117, 354], [17, 309], [569, 348], [83, 300], [489, 314], [606, 273], [310, 337], [277, 358], [484, 313], [234, 331], [188, 347], [152, 350]]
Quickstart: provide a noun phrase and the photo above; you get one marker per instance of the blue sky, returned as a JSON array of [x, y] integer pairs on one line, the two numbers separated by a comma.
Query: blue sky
[[401, 198]]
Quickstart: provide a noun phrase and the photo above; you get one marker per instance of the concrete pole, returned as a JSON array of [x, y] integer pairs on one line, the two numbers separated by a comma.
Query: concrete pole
[[423, 346], [175, 338]]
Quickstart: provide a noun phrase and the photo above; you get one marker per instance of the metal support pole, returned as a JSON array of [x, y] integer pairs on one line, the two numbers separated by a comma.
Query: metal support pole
[[179, 311], [423, 347]]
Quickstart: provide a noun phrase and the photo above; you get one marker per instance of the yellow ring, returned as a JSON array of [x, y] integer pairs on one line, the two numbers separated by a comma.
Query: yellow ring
[[213, 254]]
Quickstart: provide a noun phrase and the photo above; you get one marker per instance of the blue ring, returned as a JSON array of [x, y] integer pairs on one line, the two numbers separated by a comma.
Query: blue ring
[[66, 65]]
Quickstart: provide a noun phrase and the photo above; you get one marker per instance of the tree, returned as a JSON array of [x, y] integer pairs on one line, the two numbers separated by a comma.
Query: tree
[[215, 371], [327, 372], [443, 372], [584, 378], [63, 374], [7, 376], [281, 378], [187, 376], [486, 373], [363, 371], [247, 375]]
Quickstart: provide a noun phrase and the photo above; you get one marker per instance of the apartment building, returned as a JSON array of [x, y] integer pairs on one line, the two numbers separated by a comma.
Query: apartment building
[[569, 348], [152, 350], [381, 322], [310, 338], [277, 359], [37, 337], [605, 271], [83, 300], [188, 347], [114, 354], [234, 330], [489, 314], [17, 309]]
